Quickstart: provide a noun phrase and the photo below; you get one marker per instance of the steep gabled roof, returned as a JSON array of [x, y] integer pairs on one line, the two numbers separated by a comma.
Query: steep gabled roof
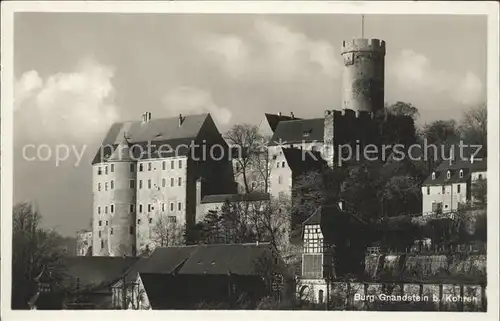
[[94, 272], [273, 120], [301, 161], [163, 131], [298, 131]]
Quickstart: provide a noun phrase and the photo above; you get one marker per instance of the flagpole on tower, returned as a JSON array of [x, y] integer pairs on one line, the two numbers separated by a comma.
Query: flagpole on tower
[[362, 26]]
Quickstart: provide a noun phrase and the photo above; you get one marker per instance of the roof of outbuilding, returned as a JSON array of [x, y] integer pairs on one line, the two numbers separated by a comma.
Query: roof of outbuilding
[[215, 259], [158, 132], [298, 131], [94, 272], [221, 198], [466, 166]]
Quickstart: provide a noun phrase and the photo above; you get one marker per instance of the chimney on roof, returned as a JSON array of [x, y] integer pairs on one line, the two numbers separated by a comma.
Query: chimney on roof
[[146, 117], [181, 119], [292, 115], [279, 113]]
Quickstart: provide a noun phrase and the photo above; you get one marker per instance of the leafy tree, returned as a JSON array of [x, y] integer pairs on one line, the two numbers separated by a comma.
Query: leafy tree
[[404, 109], [34, 249]]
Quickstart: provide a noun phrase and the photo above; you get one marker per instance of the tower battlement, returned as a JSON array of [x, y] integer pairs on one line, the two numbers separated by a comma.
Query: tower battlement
[[360, 45]]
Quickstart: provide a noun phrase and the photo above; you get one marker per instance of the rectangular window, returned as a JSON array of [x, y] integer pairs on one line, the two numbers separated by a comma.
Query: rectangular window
[[107, 223], [131, 183], [458, 188], [106, 186], [171, 207], [141, 167], [283, 164], [164, 165], [172, 182], [163, 206], [279, 179], [112, 184], [98, 210], [106, 170], [105, 210], [112, 208], [139, 221], [150, 220], [180, 163], [131, 208], [179, 181], [131, 230], [443, 189], [172, 219], [102, 244], [277, 165], [179, 206], [149, 167], [100, 223], [100, 234], [428, 190], [99, 170], [99, 187], [163, 182], [132, 168], [112, 168], [111, 231], [140, 208], [172, 165], [140, 183], [149, 183], [149, 208]]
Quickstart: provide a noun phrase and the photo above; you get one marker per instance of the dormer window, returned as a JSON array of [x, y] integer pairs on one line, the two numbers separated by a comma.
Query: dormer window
[[433, 175], [448, 175], [461, 174]]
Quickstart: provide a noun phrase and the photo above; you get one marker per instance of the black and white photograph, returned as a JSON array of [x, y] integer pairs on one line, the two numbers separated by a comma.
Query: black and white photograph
[[283, 156]]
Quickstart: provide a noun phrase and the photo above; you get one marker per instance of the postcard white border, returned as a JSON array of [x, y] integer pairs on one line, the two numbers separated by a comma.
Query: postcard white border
[[489, 9]]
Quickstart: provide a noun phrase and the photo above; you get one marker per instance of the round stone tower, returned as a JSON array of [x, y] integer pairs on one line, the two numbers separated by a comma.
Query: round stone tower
[[363, 75], [120, 233]]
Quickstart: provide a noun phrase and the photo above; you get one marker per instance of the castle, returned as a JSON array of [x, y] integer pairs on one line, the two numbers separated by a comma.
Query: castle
[[152, 171]]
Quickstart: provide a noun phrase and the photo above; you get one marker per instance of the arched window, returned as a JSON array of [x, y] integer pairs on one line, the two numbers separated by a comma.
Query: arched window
[[461, 173], [433, 175], [320, 296]]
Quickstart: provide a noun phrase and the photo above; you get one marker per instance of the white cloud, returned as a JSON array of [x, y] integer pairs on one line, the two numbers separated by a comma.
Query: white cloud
[[76, 104], [414, 72], [272, 51], [190, 100]]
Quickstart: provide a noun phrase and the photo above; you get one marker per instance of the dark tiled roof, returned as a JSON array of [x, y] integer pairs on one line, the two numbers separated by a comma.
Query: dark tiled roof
[[273, 120], [164, 131], [298, 131], [454, 167], [301, 161], [94, 271], [235, 198], [215, 259]]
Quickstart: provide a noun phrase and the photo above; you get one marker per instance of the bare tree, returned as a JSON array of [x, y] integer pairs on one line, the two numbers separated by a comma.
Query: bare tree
[[247, 142], [474, 127], [166, 232]]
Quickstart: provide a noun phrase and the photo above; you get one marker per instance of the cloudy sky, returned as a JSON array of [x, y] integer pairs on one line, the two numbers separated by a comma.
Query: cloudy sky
[[78, 73]]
